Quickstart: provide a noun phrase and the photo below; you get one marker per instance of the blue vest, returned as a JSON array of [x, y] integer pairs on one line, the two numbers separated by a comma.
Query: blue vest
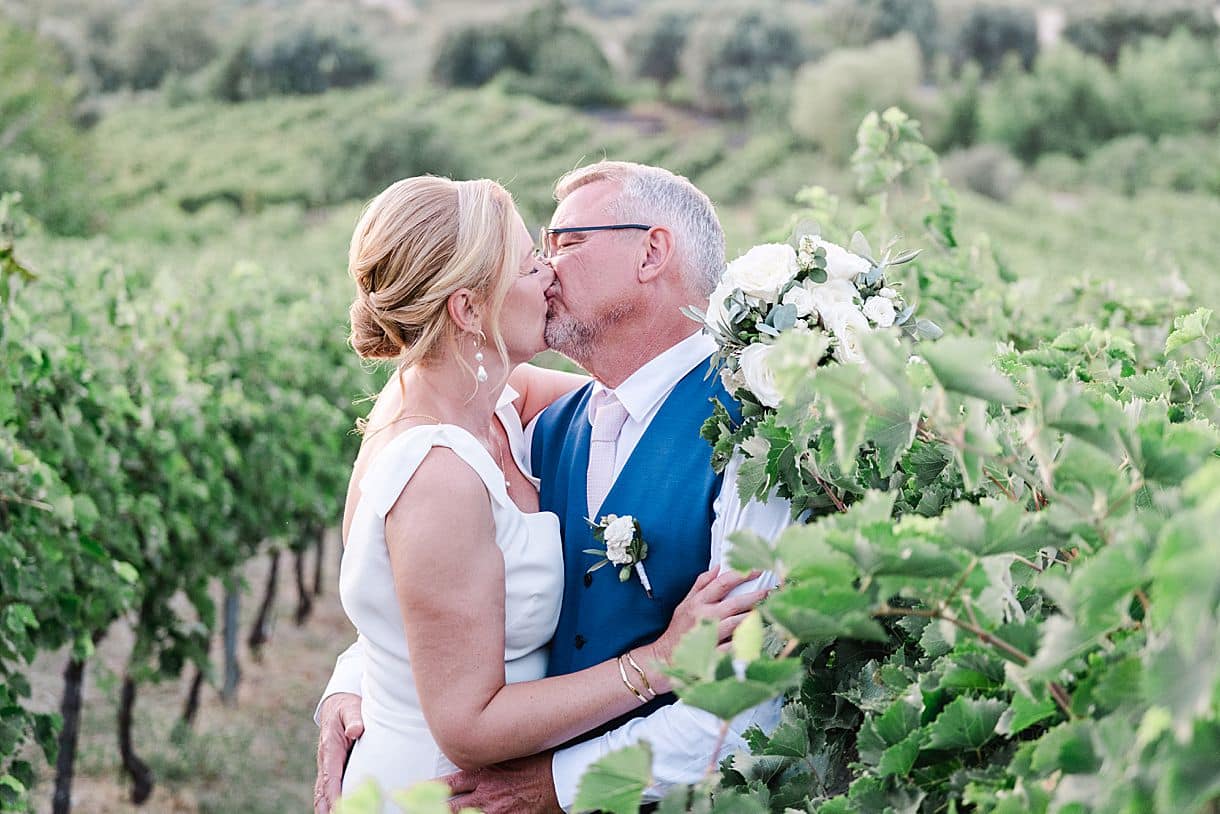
[[667, 484]]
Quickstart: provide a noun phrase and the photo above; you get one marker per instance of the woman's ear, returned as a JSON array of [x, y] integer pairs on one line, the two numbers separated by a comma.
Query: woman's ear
[[658, 254], [464, 311]]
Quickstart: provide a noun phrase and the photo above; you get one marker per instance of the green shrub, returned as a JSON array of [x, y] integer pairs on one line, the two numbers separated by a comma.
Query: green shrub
[[656, 48], [1068, 104], [472, 55], [729, 55], [570, 70], [380, 150], [1122, 164], [161, 37], [1058, 171], [1168, 85], [302, 59], [540, 54], [990, 33], [829, 97], [1188, 163], [919, 17], [1131, 164], [1105, 34], [987, 169], [956, 123], [42, 155]]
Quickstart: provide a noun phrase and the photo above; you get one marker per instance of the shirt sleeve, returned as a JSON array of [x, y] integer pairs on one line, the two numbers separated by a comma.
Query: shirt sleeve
[[683, 738], [348, 673], [529, 444]]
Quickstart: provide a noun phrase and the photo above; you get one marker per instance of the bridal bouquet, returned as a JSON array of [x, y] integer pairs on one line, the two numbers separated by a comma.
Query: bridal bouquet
[[819, 286], [834, 296]]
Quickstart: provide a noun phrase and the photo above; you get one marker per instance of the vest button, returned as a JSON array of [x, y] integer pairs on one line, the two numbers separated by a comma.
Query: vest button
[[580, 641], [588, 580]]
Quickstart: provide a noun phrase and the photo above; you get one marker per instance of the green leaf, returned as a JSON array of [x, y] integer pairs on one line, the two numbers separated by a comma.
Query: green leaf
[[429, 797], [966, 723], [696, 655], [815, 613], [1067, 748], [752, 479], [728, 697], [963, 365], [750, 551], [790, 739], [615, 783], [1187, 328], [1024, 713], [779, 673], [365, 799], [899, 758], [748, 637]]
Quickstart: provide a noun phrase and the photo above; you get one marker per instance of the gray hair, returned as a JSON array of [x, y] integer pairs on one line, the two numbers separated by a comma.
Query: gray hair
[[656, 196]]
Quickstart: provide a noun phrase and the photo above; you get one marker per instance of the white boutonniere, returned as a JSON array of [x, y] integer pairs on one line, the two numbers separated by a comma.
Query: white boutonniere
[[625, 547]]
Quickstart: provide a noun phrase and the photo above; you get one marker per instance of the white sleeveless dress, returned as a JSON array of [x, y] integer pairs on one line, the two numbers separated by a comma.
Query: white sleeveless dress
[[397, 749]]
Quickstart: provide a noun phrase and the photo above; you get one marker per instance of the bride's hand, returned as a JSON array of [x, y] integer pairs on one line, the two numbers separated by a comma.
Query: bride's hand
[[709, 599]]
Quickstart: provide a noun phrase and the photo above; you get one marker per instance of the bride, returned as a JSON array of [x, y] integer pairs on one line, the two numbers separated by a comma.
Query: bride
[[451, 575]]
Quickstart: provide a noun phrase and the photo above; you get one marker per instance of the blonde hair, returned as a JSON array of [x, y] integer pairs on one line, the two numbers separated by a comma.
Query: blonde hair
[[658, 197], [417, 243]]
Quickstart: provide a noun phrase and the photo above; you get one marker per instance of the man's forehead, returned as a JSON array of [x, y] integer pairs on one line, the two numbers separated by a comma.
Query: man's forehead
[[591, 200]]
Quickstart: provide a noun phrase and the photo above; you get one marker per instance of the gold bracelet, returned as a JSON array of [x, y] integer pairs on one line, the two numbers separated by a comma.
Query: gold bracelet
[[622, 671], [647, 684]]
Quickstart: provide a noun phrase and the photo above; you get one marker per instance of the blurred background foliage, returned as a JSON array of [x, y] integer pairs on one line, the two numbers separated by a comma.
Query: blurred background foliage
[[114, 104], [187, 135]]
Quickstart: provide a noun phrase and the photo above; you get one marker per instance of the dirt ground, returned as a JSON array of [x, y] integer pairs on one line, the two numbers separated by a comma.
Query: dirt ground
[[254, 756]]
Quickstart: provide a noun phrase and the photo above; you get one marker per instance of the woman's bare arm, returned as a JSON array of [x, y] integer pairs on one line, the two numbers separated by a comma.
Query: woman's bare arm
[[539, 386], [449, 576]]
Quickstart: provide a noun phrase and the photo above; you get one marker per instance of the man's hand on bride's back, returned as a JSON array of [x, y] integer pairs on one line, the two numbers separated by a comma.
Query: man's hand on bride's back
[[710, 597], [341, 724]]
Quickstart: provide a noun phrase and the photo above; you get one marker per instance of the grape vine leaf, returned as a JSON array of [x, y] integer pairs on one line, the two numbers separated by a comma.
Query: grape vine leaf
[[615, 783]]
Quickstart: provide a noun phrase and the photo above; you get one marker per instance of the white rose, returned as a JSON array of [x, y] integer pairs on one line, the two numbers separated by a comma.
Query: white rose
[[620, 529], [849, 327], [618, 535], [840, 263], [732, 379], [888, 293], [832, 295], [880, 310], [759, 378], [762, 271], [802, 298], [618, 554]]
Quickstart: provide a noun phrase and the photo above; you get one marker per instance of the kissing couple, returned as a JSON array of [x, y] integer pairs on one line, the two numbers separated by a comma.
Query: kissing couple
[[494, 652]]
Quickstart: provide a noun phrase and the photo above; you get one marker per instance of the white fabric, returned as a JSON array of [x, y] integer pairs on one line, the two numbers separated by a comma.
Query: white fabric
[[682, 738], [397, 749], [611, 415]]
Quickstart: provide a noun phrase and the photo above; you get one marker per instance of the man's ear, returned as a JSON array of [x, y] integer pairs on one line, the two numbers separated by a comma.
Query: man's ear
[[464, 311], [659, 254]]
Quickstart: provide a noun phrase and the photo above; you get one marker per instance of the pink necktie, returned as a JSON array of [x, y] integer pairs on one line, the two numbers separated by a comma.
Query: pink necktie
[[607, 422]]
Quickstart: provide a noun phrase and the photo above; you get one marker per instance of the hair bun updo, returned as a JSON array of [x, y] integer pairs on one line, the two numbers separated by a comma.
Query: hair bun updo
[[369, 337], [417, 243]]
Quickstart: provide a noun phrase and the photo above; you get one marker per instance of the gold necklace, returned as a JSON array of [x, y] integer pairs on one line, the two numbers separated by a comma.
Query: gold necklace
[[420, 415]]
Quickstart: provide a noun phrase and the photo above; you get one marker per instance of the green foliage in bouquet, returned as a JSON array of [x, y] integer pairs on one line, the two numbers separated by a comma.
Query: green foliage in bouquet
[[1004, 595]]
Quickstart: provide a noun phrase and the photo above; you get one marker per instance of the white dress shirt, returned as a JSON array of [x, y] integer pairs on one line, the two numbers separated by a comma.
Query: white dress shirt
[[682, 737]]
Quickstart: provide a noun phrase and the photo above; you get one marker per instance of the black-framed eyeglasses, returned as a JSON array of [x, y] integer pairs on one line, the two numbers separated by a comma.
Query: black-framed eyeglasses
[[546, 249]]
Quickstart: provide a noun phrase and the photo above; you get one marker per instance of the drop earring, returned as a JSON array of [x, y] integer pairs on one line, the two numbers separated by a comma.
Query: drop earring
[[480, 375]]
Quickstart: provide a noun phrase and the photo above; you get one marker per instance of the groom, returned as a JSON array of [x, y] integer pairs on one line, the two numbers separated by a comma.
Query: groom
[[631, 244]]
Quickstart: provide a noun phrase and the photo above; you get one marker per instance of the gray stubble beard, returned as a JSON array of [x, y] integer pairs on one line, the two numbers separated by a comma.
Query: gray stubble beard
[[577, 340]]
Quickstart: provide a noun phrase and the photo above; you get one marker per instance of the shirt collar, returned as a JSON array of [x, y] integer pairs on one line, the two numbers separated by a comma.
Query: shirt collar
[[644, 389]]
